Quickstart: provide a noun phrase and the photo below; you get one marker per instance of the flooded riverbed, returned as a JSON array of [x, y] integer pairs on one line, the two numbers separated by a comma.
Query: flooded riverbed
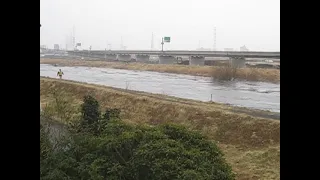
[[257, 95]]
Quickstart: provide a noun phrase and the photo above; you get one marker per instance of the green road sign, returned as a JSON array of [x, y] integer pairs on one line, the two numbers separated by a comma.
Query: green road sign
[[166, 39]]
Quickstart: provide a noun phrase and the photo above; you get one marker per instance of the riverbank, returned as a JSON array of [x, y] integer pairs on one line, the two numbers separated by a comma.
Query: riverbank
[[250, 74], [249, 139]]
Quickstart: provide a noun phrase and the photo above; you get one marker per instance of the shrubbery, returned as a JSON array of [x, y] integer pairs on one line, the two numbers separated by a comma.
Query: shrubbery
[[104, 147]]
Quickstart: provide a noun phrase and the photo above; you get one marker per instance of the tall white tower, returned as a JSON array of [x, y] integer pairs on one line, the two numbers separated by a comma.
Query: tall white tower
[[74, 37]]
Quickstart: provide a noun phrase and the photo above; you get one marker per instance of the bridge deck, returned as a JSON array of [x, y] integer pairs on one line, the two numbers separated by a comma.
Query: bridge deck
[[248, 54]]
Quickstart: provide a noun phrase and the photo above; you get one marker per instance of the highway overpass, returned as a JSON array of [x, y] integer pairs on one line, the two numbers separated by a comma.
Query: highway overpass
[[169, 57]]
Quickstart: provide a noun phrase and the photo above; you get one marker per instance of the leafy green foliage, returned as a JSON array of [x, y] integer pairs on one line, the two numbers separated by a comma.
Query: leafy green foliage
[[123, 151], [111, 114], [92, 121], [45, 145], [90, 111]]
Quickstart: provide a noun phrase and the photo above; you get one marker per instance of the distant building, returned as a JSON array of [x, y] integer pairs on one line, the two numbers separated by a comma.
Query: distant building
[[56, 46], [228, 49], [244, 48], [203, 49]]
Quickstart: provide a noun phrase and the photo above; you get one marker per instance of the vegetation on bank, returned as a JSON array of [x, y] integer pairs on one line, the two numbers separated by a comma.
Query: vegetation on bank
[[96, 144], [251, 144], [216, 72]]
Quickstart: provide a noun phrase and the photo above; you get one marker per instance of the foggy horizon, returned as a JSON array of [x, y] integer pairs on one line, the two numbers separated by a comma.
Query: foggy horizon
[[189, 23]]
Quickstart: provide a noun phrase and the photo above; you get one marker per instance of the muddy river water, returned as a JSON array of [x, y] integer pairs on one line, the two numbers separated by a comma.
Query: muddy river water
[[257, 95]]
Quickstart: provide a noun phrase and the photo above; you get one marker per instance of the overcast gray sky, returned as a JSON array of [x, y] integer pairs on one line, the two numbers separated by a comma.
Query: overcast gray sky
[[189, 23]]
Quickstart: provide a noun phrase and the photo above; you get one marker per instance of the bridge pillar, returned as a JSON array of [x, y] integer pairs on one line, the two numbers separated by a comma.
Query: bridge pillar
[[167, 59], [142, 58], [124, 57], [94, 55], [238, 62], [111, 57], [101, 56], [197, 60]]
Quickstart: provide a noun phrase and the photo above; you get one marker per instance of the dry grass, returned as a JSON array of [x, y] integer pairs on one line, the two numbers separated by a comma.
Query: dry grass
[[251, 74], [225, 73], [251, 144]]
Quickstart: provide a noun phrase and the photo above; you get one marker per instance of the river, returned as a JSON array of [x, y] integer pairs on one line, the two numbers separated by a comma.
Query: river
[[256, 95]]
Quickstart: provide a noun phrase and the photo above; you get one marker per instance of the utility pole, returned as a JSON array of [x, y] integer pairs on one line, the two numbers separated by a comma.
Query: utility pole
[[152, 41], [74, 38], [214, 40], [89, 51], [67, 43], [40, 36], [121, 48], [105, 54], [162, 45]]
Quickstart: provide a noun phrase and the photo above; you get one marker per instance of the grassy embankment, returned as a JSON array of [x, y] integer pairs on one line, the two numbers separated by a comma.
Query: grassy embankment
[[251, 144], [250, 74]]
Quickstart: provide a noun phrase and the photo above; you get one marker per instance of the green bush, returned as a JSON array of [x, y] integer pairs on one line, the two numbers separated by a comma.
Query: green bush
[[92, 120], [45, 145], [144, 153], [124, 151], [90, 110], [111, 114]]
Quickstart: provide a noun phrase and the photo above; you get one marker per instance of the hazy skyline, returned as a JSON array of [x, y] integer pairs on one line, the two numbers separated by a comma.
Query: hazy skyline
[[254, 23]]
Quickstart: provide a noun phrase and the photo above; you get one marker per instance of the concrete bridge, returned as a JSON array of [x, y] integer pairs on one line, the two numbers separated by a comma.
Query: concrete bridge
[[170, 57]]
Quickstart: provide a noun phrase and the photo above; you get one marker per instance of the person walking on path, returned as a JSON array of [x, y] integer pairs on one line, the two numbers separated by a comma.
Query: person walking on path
[[60, 73]]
